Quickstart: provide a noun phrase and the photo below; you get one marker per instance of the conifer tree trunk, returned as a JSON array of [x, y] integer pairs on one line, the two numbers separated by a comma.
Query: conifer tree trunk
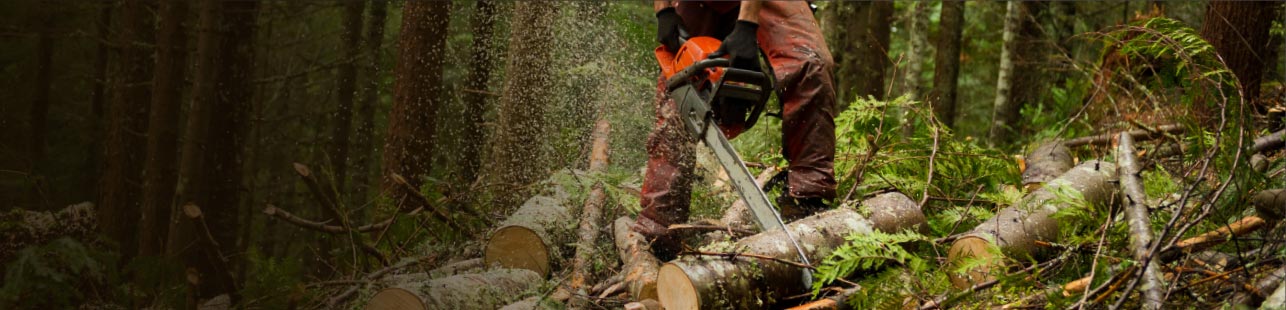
[[416, 96], [120, 187], [161, 171], [370, 99], [39, 111], [1239, 32], [917, 47], [475, 98], [946, 63], [346, 91], [518, 155], [1019, 79], [93, 159], [864, 45]]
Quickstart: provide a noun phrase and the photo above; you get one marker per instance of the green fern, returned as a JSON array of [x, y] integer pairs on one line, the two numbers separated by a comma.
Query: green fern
[[867, 252]]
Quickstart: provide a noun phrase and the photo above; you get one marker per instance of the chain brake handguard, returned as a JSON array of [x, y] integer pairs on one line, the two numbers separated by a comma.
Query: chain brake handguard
[[739, 96]]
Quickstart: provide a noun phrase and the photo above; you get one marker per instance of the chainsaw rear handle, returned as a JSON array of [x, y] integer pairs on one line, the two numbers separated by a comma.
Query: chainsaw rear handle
[[684, 75]]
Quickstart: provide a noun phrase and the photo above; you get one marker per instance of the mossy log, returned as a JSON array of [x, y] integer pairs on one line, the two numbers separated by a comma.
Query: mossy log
[[1045, 163], [532, 236], [532, 303], [21, 228], [742, 282], [487, 290], [1015, 230], [638, 265]]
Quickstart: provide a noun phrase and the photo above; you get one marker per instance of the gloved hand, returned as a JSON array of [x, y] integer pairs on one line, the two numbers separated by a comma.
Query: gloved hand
[[668, 25], [741, 46]]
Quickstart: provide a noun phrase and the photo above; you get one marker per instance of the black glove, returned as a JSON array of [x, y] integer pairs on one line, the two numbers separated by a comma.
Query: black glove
[[741, 46], [668, 25]]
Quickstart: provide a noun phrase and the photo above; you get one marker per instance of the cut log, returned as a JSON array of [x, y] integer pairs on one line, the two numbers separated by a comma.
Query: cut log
[[1270, 142], [488, 290], [1045, 163], [646, 304], [1136, 213], [638, 265], [455, 268], [591, 213], [742, 282], [1277, 301], [894, 211], [21, 228], [1015, 230], [1270, 204], [532, 237]]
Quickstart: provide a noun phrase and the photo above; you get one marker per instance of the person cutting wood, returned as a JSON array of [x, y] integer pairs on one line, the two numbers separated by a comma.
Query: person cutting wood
[[801, 64]]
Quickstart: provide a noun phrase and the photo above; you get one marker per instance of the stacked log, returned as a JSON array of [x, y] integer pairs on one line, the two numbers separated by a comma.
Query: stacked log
[[487, 290], [746, 282], [532, 236], [1015, 230]]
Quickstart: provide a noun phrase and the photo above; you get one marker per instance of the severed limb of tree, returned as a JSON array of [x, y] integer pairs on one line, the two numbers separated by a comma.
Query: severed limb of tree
[[638, 265], [1046, 162], [1136, 213], [590, 217], [1270, 142], [1204, 241], [1015, 230], [487, 290], [838, 301], [761, 265], [280, 214], [1252, 298], [1138, 134], [440, 214], [20, 228]]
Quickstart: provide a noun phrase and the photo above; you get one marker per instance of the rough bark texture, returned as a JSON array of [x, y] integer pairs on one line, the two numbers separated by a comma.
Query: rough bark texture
[[532, 303], [894, 211], [518, 153], [190, 187], [1136, 213], [592, 213], [477, 83], [161, 171], [416, 96], [346, 91], [1019, 78], [860, 34], [1046, 162], [917, 47], [119, 186], [39, 112], [1270, 142], [22, 228], [365, 136], [1238, 30], [1270, 204], [488, 290], [1015, 230], [1138, 135], [638, 265], [701, 282], [946, 63], [533, 236], [1265, 285], [1276, 301]]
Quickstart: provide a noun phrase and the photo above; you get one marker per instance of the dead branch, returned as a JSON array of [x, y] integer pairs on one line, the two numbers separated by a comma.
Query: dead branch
[[1138, 135], [281, 214], [733, 231], [1270, 142], [1136, 212], [591, 214], [424, 201]]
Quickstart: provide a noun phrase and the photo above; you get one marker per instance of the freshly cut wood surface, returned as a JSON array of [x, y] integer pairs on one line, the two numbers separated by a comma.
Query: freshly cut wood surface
[[639, 266], [530, 237]]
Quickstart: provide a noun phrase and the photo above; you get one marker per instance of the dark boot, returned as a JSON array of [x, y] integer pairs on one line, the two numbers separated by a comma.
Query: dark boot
[[797, 208]]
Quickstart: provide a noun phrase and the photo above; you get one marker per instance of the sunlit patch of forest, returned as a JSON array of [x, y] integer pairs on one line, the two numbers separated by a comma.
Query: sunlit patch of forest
[[377, 154]]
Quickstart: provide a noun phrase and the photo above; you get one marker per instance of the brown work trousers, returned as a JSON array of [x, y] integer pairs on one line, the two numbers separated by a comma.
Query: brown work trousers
[[790, 37]]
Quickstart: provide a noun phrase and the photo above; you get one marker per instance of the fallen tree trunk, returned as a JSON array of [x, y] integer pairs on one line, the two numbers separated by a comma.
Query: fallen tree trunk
[[1015, 230], [1270, 142], [533, 236], [1264, 287], [22, 228], [1136, 213], [638, 265], [749, 280], [591, 213], [531, 303], [893, 212], [1138, 134], [488, 290], [1276, 301], [1045, 163]]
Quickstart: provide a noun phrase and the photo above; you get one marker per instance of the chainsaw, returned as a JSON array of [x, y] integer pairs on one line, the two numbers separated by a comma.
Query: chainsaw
[[717, 102]]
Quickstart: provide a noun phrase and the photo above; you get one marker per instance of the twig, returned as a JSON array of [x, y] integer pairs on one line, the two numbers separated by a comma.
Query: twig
[[736, 232], [947, 300], [1138, 134], [375, 275], [424, 201], [933, 154], [733, 256], [281, 214]]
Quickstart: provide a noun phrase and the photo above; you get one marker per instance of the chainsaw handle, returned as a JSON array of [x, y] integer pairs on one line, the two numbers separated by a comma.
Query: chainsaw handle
[[682, 76]]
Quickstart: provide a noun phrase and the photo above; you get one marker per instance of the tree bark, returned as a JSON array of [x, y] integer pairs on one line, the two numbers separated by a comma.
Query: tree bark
[[946, 63], [519, 152], [917, 47], [1136, 212], [489, 290], [39, 112], [124, 147], [1019, 79], [416, 96], [1015, 230], [1239, 33], [365, 136], [742, 282], [1046, 162], [638, 265], [1270, 204], [533, 236], [864, 42], [1270, 142], [591, 214], [476, 100], [94, 158], [346, 90], [161, 171]]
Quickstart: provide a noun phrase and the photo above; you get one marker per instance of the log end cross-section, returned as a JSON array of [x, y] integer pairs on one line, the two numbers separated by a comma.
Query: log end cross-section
[[528, 239]]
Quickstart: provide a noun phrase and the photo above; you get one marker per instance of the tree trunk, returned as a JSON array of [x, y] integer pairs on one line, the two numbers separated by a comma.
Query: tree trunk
[[345, 91], [370, 99], [742, 282], [638, 265], [489, 290], [1136, 212], [533, 236], [1239, 33], [1015, 230], [917, 47], [94, 158], [475, 95], [210, 169], [864, 43], [161, 171], [519, 156], [1046, 162], [591, 214], [119, 186], [946, 63], [1019, 79], [416, 96], [39, 112]]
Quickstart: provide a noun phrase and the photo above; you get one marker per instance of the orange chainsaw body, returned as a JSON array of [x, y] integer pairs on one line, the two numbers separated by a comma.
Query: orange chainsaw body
[[693, 50]]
